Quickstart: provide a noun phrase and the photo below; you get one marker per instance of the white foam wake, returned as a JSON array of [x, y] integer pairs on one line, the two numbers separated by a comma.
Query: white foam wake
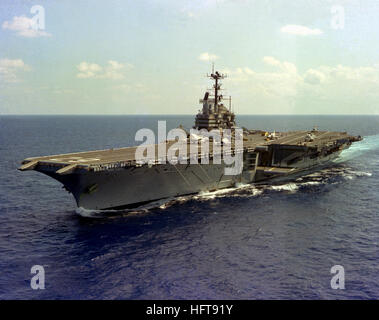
[[358, 148], [292, 187], [88, 213]]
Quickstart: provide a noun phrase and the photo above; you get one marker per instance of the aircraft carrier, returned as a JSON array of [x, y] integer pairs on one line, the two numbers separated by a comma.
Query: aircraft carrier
[[115, 179]]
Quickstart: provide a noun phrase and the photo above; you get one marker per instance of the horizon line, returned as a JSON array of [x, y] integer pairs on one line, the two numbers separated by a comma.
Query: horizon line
[[186, 114], [172, 114]]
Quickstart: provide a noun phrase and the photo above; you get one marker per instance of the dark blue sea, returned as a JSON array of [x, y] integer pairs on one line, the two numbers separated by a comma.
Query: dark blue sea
[[251, 242]]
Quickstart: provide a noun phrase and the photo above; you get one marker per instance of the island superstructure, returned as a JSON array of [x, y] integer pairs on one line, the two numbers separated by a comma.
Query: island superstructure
[[114, 178]]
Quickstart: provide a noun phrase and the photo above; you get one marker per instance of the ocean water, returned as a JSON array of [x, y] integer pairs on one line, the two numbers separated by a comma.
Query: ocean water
[[250, 242]]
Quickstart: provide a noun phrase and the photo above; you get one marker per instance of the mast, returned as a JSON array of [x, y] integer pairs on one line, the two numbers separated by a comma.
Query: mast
[[214, 114], [216, 76]]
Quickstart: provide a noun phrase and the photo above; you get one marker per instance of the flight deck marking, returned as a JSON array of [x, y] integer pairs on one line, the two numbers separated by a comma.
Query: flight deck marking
[[318, 137], [296, 138], [74, 159]]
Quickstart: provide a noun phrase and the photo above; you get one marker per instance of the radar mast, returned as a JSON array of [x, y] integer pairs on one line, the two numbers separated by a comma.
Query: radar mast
[[214, 114]]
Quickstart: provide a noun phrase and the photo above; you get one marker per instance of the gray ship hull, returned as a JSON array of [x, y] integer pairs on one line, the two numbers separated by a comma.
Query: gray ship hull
[[134, 186]]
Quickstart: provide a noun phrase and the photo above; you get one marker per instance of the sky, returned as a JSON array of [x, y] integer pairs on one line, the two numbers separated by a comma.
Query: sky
[[152, 56]]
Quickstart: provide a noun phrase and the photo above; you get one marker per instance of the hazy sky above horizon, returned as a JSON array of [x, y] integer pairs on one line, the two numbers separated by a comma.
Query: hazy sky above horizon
[[151, 56]]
